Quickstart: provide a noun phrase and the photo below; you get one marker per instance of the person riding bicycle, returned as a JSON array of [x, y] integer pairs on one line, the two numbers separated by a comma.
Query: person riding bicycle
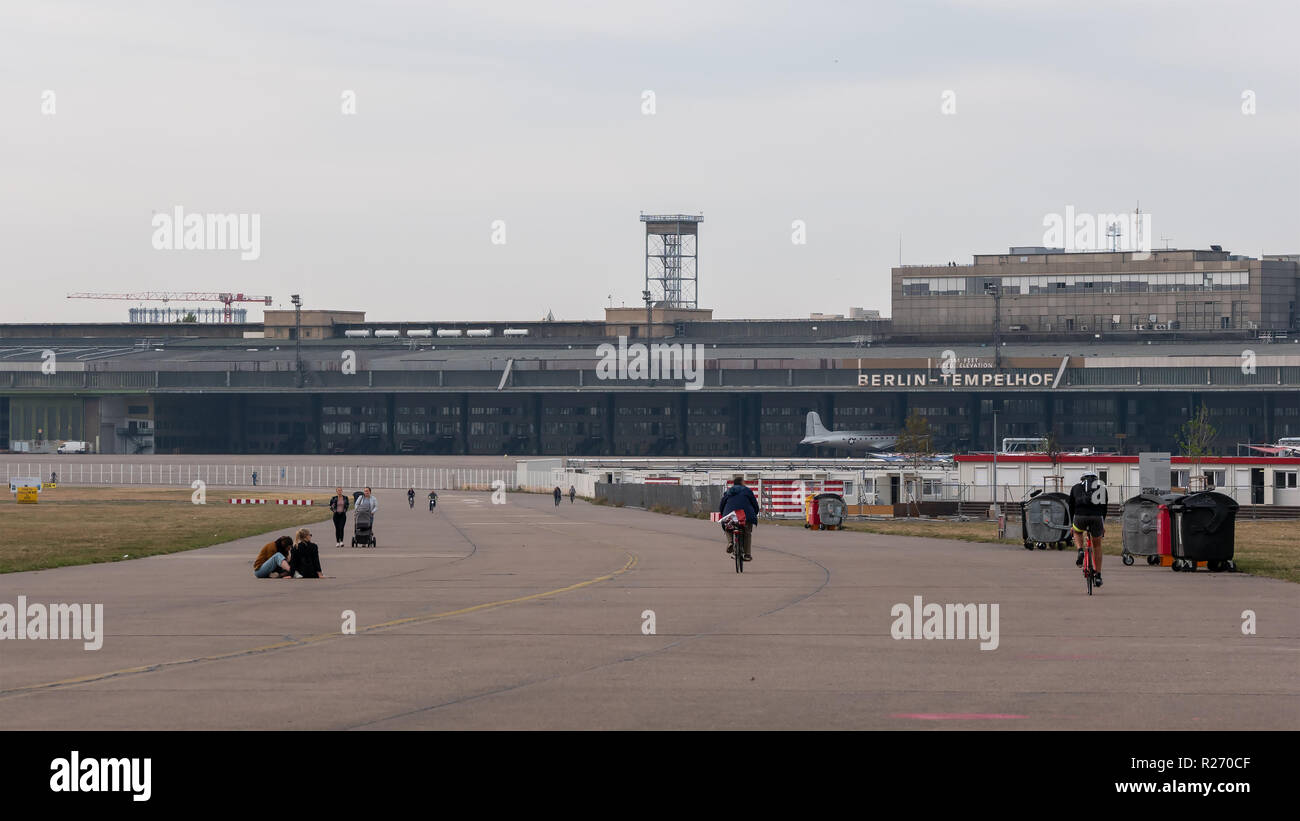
[[740, 498], [410, 497], [1088, 512], [433, 499]]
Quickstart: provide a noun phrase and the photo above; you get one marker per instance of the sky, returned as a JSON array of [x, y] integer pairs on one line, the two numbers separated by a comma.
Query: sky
[[466, 160]]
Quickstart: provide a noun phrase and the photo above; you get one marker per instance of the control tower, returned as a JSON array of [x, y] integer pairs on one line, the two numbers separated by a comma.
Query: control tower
[[671, 256]]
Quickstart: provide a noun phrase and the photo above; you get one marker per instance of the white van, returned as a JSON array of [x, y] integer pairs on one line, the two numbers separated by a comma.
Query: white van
[[73, 447]]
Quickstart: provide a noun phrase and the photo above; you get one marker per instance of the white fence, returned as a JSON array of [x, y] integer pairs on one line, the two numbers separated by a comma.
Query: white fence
[[584, 484], [271, 476]]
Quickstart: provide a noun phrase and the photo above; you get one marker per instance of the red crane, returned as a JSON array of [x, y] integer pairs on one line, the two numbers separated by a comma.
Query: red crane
[[226, 299]]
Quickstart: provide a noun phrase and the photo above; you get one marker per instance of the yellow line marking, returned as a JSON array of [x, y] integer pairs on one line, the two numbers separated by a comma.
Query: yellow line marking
[[152, 668]]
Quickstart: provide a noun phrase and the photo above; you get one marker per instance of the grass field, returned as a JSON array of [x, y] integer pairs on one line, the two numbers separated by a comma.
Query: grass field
[[86, 525], [1263, 548]]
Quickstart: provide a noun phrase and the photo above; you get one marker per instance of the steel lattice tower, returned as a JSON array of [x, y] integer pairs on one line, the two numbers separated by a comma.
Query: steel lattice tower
[[671, 259]]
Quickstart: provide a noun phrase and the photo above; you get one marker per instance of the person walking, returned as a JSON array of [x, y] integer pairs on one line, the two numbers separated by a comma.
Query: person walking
[[572, 493], [367, 503], [339, 503], [557, 494], [254, 478]]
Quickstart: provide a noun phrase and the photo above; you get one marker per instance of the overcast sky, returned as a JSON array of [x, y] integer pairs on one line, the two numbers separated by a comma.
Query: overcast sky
[[471, 111]]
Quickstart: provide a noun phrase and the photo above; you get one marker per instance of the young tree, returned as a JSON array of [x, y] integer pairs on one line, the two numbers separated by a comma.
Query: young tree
[[1053, 447], [1196, 441], [916, 442]]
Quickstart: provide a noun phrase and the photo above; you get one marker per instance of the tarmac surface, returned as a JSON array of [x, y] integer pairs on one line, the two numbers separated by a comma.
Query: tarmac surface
[[524, 615]]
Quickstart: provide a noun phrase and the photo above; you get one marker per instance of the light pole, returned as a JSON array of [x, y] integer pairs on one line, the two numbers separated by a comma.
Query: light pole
[[995, 290], [297, 337], [646, 296], [996, 510]]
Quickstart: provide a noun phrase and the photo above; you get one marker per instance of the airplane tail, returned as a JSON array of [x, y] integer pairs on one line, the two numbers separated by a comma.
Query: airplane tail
[[814, 427]]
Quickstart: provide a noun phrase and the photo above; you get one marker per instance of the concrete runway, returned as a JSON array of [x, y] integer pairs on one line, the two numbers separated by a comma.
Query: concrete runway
[[524, 615]]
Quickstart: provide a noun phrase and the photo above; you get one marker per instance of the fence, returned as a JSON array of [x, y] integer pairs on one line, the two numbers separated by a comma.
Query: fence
[[679, 498], [270, 476]]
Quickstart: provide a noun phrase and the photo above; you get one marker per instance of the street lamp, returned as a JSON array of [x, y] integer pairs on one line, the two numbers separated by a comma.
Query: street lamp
[[646, 296], [297, 336]]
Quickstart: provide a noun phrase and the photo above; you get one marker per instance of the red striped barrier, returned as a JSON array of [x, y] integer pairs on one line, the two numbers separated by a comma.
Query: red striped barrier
[[234, 501]]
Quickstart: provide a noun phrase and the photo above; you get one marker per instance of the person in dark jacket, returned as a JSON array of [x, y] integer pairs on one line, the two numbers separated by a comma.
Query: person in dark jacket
[[339, 506], [740, 498], [305, 557], [557, 494], [572, 492], [1088, 512]]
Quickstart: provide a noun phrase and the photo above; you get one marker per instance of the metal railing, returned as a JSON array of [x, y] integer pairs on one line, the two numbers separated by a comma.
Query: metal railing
[[326, 477]]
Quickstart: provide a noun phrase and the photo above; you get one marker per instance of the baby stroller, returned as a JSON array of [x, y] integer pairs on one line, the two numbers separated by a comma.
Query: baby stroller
[[363, 530]]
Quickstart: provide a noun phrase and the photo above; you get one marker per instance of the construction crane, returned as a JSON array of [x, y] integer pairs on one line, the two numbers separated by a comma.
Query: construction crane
[[226, 299]]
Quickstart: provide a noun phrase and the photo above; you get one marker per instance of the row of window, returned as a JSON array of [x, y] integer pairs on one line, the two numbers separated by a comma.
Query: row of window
[[1079, 283], [347, 428]]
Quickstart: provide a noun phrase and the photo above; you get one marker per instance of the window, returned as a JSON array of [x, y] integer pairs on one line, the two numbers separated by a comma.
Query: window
[[1284, 479]]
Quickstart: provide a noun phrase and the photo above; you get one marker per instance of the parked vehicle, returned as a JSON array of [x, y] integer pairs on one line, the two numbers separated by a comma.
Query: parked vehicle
[[73, 447]]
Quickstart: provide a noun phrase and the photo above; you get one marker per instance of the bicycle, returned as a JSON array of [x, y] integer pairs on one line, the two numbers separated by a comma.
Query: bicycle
[[1088, 567], [735, 534]]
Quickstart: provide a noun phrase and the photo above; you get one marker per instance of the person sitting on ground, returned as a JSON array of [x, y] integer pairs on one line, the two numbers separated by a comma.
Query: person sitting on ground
[[305, 559], [273, 560]]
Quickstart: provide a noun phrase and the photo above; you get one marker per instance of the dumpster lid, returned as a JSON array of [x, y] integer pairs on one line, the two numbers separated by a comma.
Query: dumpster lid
[[1210, 498], [1155, 498], [829, 496]]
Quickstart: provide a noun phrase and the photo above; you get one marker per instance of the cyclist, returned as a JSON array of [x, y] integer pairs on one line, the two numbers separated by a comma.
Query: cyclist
[[738, 497], [433, 499], [410, 498], [1088, 512]]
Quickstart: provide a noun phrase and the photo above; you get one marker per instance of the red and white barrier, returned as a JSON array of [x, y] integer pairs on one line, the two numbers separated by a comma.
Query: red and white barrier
[[271, 501], [785, 496]]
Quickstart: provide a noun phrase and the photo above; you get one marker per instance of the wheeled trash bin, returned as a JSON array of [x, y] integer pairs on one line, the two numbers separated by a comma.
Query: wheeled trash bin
[[1205, 524], [1045, 520]]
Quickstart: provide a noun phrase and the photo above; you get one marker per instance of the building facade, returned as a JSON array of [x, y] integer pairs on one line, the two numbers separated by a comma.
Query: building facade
[[1047, 291]]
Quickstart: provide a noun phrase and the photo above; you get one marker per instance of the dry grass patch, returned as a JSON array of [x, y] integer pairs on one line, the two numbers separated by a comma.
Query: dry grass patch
[[86, 525]]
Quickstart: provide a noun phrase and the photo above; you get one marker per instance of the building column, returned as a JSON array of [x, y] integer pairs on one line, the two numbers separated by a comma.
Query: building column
[[390, 413], [537, 424], [462, 438], [611, 447], [683, 407], [1269, 406]]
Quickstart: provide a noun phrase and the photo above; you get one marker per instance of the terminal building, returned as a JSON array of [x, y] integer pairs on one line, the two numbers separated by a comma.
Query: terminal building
[[1068, 346], [1043, 291]]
